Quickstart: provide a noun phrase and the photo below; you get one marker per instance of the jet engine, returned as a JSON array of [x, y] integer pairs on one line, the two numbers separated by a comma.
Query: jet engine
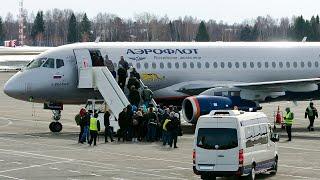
[[195, 106]]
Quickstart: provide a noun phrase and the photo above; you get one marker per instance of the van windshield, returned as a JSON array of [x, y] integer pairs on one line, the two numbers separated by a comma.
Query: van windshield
[[217, 138]]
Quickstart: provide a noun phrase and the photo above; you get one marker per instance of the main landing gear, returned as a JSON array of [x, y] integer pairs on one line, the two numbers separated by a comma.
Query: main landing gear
[[56, 126]]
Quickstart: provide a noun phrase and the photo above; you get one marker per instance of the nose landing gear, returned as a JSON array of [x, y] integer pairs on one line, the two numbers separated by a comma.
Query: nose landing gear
[[56, 126]]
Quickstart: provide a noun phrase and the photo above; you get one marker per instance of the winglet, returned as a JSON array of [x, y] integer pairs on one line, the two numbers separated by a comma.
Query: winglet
[[304, 39], [97, 39]]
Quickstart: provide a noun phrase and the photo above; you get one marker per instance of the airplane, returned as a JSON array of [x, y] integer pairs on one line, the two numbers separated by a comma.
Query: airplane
[[201, 76]]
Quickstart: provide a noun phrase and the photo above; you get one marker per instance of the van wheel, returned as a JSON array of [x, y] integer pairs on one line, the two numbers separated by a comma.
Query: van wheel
[[252, 175], [274, 169], [208, 177]]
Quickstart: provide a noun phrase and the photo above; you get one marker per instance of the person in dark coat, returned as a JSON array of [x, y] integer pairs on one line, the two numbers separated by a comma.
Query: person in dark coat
[[85, 123], [122, 76], [81, 123], [124, 63], [174, 129], [122, 121], [153, 122], [129, 129], [134, 96], [135, 74], [133, 82], [107, 130]]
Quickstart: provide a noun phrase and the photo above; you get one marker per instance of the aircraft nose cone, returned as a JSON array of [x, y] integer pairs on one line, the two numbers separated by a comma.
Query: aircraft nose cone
[[12, 88]]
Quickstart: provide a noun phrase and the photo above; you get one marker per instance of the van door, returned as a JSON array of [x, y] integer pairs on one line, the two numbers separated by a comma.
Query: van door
[[228, 152], [205, 154], [84, 63]]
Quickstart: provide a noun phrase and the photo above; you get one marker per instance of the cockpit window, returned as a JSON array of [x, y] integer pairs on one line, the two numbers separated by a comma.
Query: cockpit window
[[36, 63], [49, 63], [59, 63]]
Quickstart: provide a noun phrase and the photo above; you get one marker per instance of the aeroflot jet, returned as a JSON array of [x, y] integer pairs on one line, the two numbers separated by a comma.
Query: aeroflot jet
[[204, 76]]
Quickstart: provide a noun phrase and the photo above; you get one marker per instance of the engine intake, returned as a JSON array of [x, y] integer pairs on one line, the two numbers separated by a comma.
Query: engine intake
[[195, 106]]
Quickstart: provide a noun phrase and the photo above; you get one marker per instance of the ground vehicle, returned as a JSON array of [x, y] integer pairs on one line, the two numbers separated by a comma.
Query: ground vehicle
[[234, 143]]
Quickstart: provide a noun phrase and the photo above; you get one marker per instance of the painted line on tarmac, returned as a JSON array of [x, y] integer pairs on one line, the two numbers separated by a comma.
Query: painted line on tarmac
[[6, 125], [72, 171], [33, 166], [299, 148], [155, 175], [36, 121], [297, 167], [293, 176], [54, 168], [97, 175], [10, 177]]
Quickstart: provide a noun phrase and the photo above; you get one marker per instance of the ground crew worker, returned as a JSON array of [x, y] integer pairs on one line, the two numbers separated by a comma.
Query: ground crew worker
[[107, 130], [312, 113], [94, 128], [147, 96], [288, 120]]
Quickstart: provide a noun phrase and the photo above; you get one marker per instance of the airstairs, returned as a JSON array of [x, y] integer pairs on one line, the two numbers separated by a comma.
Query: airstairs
[[100, 78]]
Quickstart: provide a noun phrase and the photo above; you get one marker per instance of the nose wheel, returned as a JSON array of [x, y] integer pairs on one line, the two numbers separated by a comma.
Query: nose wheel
[[56, 126]]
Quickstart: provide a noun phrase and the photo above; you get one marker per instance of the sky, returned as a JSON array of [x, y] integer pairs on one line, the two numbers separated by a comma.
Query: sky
[[229, 11]]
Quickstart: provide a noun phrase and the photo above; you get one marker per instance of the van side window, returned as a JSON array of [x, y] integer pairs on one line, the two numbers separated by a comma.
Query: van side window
[[249, 135], [59, 63], [264, 134], [257, 134]]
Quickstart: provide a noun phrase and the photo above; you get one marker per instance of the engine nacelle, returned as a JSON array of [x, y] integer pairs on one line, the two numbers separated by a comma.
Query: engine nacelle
[[195, 106]]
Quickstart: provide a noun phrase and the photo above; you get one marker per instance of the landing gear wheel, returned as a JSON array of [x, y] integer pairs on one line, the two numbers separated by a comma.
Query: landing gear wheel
[[55, 127]]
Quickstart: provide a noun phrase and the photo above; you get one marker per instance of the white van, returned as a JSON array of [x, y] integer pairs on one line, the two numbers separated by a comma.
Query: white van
[[234, 143]]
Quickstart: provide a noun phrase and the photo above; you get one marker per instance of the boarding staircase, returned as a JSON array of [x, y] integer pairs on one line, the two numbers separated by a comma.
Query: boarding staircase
[[100, 78]]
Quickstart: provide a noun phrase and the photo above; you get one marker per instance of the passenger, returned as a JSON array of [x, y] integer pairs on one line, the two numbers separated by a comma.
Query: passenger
[[122, 77], [134, 96], [136, 126], [133, 82], [152, 125], [311, 113], [147, 96], [124, 63], [288, 120], [81, 123], [107, 130], [86, 124], [135, 74], [175, 129], [122, 120], [139, 117], [94, 129], [129, 124], [110, 66]]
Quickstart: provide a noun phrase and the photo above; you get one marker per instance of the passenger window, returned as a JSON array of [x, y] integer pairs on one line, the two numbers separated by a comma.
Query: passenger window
[[251, 64], [309, 64], [244, 65], [316, 64], [59, 63], [288, 64], [215, 65], [237, 64], [184, 65], [146, 65], [191, 65], [169, 65], [154, 65], [259, 64], [199, 65], [222, 64], [49, 63], [138, 65], [280, 64], [274, 65], [266, 64], [302, 64], [176, 65], [229, 64], [295, 64], [161, 65], [207, 65]]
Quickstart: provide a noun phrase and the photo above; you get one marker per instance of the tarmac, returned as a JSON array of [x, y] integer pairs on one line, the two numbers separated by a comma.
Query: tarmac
[[28, 150]]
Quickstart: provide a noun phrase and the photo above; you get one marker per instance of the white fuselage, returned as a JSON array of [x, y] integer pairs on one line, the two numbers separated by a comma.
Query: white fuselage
[[168, 67]]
